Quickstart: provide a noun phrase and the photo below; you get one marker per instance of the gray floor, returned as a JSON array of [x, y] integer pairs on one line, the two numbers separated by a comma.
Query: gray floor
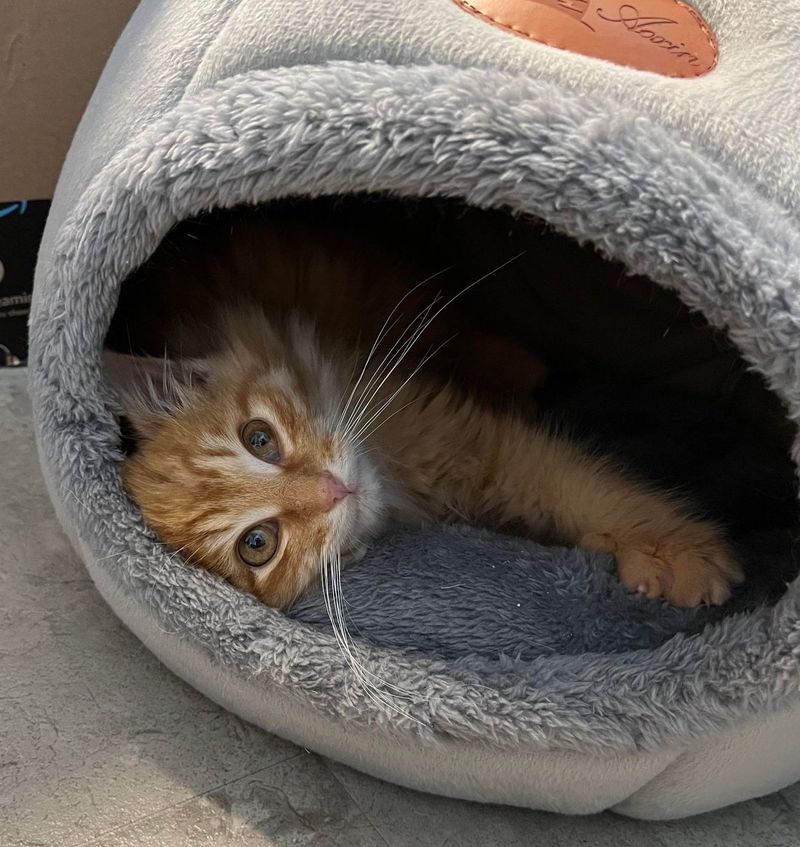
[[101, 745]]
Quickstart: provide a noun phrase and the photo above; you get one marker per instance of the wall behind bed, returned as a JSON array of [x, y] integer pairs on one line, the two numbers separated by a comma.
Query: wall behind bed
[[51, 55]]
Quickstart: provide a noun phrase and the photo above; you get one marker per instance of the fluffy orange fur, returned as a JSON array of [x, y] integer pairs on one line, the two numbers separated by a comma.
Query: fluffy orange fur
[[406, 446], [365, 435]]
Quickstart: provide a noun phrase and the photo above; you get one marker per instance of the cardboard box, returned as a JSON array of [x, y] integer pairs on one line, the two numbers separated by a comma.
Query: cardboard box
[[51, 55]]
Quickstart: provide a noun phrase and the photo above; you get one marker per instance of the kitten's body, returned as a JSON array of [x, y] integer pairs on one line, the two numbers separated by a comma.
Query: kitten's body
[[361, 445]]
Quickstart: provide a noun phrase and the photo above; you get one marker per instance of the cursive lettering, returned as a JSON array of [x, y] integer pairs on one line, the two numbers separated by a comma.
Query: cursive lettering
[[645, 27]]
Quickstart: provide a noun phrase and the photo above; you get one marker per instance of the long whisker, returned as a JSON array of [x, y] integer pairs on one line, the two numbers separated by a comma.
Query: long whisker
[[385, 328], [427, 320], [385, 403], [361, 438], [381, 333], [405, 345], [334, 415], [359, 417], [379, 690], [388, 363]]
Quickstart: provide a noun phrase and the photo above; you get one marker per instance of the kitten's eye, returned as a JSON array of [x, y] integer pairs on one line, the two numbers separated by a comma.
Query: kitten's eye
[[260, 441], [258, 545]]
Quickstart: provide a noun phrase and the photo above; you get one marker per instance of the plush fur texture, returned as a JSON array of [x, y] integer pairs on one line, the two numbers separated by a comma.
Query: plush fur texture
[[357, 441], [545, 601], [594, 169]]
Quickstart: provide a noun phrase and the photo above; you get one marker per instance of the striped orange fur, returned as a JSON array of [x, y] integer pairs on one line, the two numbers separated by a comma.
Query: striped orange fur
[[406, 446]]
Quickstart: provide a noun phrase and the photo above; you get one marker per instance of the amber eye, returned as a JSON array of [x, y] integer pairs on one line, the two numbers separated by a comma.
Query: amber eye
[[258, 545], [260, 441]]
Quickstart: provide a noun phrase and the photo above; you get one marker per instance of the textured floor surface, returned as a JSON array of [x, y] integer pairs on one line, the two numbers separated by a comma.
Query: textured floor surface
[[101, 745]]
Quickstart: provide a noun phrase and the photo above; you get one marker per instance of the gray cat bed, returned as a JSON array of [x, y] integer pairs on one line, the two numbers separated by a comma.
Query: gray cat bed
[[566, 693]]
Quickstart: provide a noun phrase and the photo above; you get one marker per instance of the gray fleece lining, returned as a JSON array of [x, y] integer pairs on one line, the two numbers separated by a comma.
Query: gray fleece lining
[[593, 170]]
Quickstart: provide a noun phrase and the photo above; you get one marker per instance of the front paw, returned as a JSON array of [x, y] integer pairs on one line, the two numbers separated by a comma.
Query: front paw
[[687, 566]]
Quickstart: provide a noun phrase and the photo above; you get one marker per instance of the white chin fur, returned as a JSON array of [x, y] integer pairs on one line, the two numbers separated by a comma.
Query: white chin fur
[[363, 514]]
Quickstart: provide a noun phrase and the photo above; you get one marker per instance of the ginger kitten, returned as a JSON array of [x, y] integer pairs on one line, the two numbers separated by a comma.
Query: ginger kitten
[[283, 452]]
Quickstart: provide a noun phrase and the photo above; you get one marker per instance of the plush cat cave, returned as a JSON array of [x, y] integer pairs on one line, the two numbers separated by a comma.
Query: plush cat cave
[[661, 200]]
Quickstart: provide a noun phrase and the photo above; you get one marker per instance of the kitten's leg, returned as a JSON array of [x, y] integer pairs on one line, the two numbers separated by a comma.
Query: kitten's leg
[[661, 551], [458, 458]]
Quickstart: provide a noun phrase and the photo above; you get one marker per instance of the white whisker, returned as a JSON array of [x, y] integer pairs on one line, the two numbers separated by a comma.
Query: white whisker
[[386, 369], [384, 329], [379, 690], [371, 432], [405, 347], [384, 404]]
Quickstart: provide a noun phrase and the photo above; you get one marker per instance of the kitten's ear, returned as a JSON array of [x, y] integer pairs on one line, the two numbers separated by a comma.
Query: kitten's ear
[[152, 390]]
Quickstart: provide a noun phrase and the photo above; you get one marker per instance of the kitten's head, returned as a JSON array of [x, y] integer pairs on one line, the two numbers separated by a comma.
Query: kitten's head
[[240, 464]]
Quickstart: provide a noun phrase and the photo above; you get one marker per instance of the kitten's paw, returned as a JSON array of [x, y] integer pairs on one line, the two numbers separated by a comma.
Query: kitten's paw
[[690, 566]]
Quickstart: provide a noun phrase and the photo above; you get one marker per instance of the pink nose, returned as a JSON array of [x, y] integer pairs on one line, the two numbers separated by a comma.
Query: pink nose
[[333, 490]]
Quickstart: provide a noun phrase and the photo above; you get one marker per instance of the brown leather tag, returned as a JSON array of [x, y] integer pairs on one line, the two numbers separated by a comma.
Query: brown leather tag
[[666, 37]]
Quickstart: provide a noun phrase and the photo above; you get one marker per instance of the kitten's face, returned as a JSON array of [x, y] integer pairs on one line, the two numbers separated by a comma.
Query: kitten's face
[[240, 466]]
